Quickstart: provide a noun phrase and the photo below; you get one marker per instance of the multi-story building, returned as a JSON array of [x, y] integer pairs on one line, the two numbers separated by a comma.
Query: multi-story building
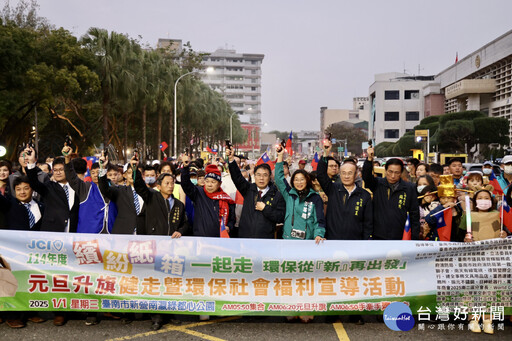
[[237, 77], [398, 105], [360, 112], [480, 81]]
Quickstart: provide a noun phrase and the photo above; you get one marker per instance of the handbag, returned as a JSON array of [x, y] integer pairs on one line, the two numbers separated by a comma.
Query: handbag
[[8, 283]]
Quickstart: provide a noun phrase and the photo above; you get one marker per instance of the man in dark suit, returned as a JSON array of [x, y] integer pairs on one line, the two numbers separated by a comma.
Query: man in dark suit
[[165, 216], [264, 205], [22, 212], [130, 205], [42, 176], [61, 203]]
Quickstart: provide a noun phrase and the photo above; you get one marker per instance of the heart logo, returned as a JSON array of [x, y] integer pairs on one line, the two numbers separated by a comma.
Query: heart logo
[[57, 245]]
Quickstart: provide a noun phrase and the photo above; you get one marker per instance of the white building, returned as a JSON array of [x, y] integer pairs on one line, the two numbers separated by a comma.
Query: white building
[[399, 105], [237, 77], [481, 81], [360, 112]]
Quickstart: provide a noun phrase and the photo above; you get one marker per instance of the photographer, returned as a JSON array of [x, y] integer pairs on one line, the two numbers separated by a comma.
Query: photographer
[[263, 206]]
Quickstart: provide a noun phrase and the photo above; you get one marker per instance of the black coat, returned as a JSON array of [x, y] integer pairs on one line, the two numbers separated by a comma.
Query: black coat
[[159, 221], [57, 212], [390, 207], [16, 214], [253, 223], [206, 210], [127, 220], [347, 217]]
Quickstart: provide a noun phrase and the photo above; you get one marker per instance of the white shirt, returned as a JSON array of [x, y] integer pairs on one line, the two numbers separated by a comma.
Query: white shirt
[[34, 208], [263, 191], [71, 200], [141, 201]]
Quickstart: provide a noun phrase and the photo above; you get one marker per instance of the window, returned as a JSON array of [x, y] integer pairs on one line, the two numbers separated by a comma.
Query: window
[[391, 116], [391, 133], [253, 80], [353, 116], [253, 72], [412, 94], [412, 116], [253, 88], [254, 62], [254, 98], [391, 94]]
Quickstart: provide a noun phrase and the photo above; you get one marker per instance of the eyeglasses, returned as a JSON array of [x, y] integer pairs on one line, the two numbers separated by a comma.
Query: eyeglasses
[[58, 170], [390, 172], [261, 175]]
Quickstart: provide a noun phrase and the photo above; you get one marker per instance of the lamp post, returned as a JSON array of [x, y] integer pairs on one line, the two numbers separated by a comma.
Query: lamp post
[[208, 70], [231, 127]]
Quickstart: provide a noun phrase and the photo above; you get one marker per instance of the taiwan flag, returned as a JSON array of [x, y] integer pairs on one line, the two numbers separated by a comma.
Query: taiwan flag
[[163, 146], [265, 159], [407, 229], [211, 151], [90, 160], [444, 225], [493, 180], [507, 214], [289, 144], [314, 162], [223, 232]]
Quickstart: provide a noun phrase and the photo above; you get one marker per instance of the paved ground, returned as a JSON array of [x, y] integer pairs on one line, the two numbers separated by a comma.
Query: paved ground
[[239, 328]]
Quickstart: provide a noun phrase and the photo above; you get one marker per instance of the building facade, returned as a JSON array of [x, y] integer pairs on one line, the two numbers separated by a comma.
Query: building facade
[[237, 76], [398, 103], [480, 81], [360, 112]]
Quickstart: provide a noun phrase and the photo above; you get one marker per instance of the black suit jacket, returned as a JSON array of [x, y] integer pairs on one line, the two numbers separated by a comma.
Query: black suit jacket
[[159, 221], [57, 212], [127, 220], [16, 215]]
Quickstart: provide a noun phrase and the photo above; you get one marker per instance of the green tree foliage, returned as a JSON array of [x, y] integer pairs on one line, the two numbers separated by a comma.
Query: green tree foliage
[[355, 137], [102, 89], [453, 133]]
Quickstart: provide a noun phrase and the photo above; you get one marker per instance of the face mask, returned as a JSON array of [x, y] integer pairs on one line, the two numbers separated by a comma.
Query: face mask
[[408, 169], [483, 204], [508, 169], [464, 172], [421, 188], [487, 171], [194, 181], [150, 180]]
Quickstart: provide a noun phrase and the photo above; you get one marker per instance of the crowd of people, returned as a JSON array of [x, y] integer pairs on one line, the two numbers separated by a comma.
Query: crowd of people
[[239, 198]]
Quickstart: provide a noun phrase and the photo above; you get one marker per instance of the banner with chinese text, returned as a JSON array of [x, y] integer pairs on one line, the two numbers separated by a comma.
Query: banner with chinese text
[[220, 276]]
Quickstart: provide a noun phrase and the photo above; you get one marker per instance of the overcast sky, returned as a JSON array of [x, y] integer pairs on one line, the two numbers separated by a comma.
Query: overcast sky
[[317, 53]]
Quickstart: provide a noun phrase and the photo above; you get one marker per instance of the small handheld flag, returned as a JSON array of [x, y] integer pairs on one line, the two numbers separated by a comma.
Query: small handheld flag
[[163, 146]]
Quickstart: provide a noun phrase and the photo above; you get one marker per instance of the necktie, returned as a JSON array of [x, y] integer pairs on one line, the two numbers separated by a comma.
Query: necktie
[[136, 202], [31, 218], [260, 194], [66, 190]]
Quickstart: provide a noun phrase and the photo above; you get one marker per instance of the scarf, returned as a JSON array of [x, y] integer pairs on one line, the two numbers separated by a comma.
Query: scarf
[[224, 202]]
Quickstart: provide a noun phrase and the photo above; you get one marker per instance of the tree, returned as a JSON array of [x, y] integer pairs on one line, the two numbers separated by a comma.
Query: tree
[[355, 137]]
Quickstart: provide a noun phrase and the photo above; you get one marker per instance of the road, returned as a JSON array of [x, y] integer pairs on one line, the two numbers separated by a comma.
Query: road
[[239, 329]]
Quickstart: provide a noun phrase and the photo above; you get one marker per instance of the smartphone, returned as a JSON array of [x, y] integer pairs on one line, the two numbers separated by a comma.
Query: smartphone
[[136, 154], [228, 144], [370, 143], [68, 140]]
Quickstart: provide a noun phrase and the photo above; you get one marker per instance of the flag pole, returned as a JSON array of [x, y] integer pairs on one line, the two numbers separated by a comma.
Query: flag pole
[[502, 199]]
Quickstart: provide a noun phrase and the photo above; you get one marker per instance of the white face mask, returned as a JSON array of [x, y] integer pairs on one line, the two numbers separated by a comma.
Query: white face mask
[[421, 188], [483, 204], [487, 171], [508, 169], [408, 168]]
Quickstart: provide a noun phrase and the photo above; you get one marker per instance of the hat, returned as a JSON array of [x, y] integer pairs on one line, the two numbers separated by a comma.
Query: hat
[[302, 162], [488, 163], [155, 162], [507, 159], [213, 172], [193, 171], [446, 188]]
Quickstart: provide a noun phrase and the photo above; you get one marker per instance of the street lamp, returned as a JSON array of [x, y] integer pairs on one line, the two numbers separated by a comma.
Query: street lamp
[[208, 70], [231, 127]]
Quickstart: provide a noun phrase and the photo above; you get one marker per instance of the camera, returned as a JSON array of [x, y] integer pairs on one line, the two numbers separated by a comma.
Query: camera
[[228, 144], [68, 140], [298, 234], [30, 144]]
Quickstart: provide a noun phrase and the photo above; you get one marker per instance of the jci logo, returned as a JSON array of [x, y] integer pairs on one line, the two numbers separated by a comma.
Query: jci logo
[[398, 316]]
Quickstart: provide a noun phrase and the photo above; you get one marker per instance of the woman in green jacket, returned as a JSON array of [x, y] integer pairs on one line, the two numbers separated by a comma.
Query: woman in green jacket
[[304, 207]]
